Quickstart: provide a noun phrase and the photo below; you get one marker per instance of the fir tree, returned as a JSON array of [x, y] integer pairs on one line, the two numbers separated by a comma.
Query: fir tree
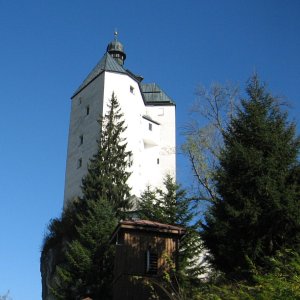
[[108, 169], [172, 206], [258, 210], [85, 266], [88, 265], [149, 207], [169, 205]]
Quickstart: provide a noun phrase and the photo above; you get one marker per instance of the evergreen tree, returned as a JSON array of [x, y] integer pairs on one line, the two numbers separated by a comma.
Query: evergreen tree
[[85, 265], [149, 207], [107, 172], [169, 205], [258, 210], [172, 206]]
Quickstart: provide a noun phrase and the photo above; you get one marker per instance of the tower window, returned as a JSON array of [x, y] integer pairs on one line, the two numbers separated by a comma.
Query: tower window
[[150, 126], [81, 140], [131, 89], [79, 163], [87, 110], [157, 161], [79, 100]]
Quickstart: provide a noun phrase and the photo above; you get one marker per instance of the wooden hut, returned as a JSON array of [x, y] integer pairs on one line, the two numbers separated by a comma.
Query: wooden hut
[[144, 250]]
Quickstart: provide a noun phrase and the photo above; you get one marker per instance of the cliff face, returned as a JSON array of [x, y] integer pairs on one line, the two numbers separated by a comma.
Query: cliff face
[[48, 264]]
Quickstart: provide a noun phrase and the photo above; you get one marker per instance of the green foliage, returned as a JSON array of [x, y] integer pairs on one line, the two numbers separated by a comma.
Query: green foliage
[[149, 208], [172, 206], [82, 257], [107, 172], [60, 228], [166, 287], [258, 209], [87, 268], [281, 282]]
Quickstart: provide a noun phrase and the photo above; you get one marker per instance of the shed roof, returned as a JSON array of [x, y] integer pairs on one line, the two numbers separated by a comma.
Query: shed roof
[[147, 225]]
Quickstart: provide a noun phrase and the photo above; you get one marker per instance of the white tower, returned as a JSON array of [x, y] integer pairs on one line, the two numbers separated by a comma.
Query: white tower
[[149, 115]]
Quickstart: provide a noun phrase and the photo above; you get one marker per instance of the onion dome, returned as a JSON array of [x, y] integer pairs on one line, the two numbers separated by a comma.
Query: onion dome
[[116, 50]]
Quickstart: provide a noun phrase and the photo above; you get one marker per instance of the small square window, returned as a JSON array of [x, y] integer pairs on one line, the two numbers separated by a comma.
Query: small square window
[[81, 140], [79, 163], [150, 126], [87, 110]]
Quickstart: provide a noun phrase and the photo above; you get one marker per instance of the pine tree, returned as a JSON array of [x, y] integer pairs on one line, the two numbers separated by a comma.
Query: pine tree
[[86, 263], [149, 207], [172, 206], [87, 267], [169, 205], [258, 210], [108, 172]]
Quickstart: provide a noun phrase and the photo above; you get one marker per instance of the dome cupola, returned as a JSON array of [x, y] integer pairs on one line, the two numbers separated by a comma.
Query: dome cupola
[[116, 50]]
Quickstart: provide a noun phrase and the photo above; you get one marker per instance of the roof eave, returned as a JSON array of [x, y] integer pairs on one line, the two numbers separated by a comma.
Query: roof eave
[[160, 103]]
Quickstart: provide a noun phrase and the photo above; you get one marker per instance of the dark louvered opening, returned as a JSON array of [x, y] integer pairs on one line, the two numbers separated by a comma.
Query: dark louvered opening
[[151, 262]]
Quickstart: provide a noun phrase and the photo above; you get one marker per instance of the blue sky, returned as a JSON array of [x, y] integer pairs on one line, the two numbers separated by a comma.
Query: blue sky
[[47, 49]]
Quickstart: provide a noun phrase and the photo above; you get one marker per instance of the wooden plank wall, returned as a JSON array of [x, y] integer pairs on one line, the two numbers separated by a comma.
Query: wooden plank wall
[[130, 261]]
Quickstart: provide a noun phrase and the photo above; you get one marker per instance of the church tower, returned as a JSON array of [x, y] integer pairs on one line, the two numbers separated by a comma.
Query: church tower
[[149, 116]]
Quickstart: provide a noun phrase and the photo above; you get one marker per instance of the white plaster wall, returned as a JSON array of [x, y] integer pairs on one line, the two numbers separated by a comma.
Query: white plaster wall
[[133, 108], [150, 168], [88, 127], [165, 116], [146, 146], [151, 137]]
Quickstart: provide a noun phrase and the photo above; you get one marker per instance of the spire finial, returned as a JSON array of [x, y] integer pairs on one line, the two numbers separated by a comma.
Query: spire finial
[[116, 49]]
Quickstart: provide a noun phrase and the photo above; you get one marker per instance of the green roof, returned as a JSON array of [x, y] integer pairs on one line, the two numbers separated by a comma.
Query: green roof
[[153, 94], [107, 63]]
